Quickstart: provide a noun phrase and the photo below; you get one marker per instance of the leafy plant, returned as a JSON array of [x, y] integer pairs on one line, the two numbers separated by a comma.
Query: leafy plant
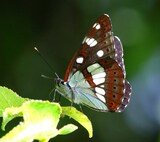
[[40, 118]]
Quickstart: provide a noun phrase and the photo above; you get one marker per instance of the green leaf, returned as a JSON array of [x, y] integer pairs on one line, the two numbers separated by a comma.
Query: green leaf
[[8, 98], [40, 118], [9, 114], [40, 122], [69, 128], [79, 117]]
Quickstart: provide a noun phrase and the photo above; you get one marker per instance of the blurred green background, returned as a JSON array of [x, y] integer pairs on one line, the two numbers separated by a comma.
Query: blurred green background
[[57, 29]]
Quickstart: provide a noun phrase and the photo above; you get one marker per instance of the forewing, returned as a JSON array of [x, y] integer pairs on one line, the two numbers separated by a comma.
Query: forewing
[[97, 44]]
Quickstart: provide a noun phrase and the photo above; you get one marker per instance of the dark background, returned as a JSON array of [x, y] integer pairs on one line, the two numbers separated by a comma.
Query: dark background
[[57, 28]]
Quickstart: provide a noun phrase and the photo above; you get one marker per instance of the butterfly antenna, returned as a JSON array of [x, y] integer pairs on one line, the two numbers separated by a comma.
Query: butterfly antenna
[[56, 75], [44, 76], [35, 48]]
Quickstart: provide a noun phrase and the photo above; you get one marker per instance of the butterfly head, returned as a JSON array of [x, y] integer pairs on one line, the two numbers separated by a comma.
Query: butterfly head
[[63, 88]]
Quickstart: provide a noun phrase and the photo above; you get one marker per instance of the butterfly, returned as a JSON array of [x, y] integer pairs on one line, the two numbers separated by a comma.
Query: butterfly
[[96, 76]]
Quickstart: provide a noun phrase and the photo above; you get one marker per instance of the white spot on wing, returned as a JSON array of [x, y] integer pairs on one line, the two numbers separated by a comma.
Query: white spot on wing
[[98, 26], [99, 75], [84, 39], [102, 86], [90, 41], [79, 60], [99, 80], [100, 53], [96, 65], [93, 67], [94, 25], [93, 43], [101, 97], [100, 91]]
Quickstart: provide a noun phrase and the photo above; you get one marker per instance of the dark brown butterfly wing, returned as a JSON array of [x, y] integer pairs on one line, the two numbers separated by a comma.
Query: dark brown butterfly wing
[[98, 37], [100, 60]]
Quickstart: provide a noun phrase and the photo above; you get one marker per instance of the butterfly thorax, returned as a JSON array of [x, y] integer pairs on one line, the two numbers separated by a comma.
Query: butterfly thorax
[[64, 89]]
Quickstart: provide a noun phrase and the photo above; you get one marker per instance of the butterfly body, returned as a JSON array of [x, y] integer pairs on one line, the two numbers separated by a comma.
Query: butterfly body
[[96, 75]]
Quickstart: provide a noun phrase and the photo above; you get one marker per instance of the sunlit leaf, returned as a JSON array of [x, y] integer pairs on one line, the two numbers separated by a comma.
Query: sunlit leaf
[[8, 98], [40, 122], [79, 117]]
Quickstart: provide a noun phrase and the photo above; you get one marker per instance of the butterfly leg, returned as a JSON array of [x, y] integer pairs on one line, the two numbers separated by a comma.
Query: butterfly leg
[[59, 99], [72, 101], [72, 98], [54, 95]]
